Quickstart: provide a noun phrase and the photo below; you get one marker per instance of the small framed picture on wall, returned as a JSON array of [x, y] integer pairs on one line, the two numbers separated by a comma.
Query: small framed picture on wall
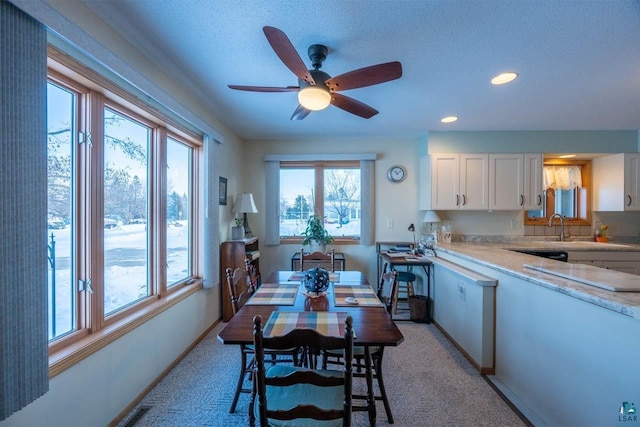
[[223, 191]]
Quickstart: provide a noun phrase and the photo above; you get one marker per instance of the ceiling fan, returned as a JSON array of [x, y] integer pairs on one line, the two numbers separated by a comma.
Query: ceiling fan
[[317, 89]]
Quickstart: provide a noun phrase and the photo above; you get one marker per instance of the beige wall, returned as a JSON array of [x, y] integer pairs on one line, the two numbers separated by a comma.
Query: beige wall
[[398, 202]]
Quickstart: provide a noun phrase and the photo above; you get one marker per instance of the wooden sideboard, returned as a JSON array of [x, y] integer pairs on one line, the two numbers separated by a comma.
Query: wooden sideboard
[[232, 255]]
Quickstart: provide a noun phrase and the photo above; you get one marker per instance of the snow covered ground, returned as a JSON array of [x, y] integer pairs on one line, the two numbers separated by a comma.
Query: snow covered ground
[[125, 275]]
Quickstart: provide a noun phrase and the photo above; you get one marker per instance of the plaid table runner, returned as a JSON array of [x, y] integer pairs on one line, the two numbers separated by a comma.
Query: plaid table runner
[[275, 294], [298, 276], [327, 323], [364, 294]]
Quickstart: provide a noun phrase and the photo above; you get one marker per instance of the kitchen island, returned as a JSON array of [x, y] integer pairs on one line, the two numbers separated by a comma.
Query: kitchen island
[[566, 352]]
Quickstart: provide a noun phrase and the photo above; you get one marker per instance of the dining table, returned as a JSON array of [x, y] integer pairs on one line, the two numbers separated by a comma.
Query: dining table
[[282, 297]]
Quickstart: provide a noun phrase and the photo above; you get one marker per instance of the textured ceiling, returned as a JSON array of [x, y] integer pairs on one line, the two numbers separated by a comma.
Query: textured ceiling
[[579, 61]]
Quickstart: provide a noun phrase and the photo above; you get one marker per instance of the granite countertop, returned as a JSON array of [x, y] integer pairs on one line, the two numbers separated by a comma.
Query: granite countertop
[[500, 257], [572, 245]]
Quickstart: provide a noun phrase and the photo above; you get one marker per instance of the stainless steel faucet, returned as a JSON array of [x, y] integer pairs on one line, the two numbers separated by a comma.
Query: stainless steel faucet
[[561, 224]]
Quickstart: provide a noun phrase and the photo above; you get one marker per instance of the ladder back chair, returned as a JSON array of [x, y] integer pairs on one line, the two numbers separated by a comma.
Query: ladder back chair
[[309, 396], [309, 257], [241, 287], [387, 281]]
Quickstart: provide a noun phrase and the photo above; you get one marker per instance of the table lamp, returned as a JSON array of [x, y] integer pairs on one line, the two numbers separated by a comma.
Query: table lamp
[[430, 217], [244, 204]]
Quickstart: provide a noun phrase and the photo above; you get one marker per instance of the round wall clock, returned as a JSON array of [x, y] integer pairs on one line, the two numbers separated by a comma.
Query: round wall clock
[[396, 174]]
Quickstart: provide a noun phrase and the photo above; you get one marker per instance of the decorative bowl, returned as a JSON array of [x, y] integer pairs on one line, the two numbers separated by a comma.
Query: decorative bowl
[[316, 280]]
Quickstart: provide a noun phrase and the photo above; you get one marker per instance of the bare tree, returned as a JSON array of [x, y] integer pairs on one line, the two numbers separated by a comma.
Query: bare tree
[[342, 192]]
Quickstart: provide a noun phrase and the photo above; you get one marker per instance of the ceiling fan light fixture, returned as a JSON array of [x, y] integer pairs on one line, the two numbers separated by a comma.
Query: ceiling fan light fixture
[[314, 98], [504, 78]]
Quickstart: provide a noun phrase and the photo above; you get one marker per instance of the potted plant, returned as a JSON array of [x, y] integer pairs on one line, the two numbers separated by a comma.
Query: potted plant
[[316, 235], [601, 233], [237, 231]]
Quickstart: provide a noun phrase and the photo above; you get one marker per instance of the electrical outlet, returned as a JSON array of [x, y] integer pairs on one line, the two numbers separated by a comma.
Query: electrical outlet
[[516, 224], [461, 291], [389, 223]]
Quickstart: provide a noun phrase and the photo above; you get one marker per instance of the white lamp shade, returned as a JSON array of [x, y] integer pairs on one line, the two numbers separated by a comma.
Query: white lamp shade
[[314, 98], [244, 204], [431, 216]]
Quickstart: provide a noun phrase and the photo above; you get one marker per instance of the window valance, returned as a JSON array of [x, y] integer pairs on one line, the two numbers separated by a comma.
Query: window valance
[[562, 177]]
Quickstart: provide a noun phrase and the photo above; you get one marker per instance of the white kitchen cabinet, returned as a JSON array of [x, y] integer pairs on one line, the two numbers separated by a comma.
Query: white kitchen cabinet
[[515, 181], [533, 182], [459, 181], [616, 182], [632, 181]]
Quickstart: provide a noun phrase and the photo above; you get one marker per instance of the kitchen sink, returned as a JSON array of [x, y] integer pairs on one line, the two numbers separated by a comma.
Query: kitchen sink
[[545, 253]]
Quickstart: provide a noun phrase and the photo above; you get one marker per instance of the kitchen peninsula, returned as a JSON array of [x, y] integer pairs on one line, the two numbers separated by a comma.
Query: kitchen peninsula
[[565, 352]]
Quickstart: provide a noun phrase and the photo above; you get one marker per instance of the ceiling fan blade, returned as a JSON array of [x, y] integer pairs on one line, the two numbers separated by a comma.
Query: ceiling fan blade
[[265, 88], [353, 106], [366, 76], [300, 113], [287, 53]]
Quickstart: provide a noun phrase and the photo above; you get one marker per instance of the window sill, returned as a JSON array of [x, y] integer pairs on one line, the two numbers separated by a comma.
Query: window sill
[[336, 241], [68, 356]]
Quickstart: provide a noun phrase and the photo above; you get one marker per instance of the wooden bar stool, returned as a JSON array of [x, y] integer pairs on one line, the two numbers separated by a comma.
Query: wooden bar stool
[[405, 284]]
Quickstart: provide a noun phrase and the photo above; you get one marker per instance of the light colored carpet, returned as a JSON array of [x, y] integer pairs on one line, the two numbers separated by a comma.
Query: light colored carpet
[[428, 380]]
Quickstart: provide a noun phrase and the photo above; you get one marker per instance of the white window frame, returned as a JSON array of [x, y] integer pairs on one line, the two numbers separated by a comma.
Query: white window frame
[[272, 183]]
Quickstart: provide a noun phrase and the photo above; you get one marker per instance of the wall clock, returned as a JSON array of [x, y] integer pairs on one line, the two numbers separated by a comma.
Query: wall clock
[[396, 174]]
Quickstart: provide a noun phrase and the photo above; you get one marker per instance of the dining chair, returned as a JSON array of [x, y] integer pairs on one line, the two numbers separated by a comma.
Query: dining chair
[[310, 257], [294, 395], [241, 288], [387, 281], [253, 274]]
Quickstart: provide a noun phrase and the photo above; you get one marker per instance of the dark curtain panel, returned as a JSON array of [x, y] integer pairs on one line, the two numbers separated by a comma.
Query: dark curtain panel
[[24, 367]]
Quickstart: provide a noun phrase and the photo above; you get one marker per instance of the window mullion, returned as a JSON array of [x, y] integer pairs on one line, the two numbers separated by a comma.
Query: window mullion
[[93, 214], [319, 194], [157, 213]]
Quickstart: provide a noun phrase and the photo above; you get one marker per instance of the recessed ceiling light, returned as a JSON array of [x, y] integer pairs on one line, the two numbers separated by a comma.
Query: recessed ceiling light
[[566, 156], [449, 119], [503, 78]]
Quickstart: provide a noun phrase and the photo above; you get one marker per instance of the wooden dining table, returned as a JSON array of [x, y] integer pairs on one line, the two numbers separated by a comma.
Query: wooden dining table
[[283, 291]]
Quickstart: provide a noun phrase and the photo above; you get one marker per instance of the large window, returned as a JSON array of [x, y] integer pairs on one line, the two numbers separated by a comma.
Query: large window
[[179, 210], [61, 107], [121, 208], [125, 172], [331, 190]]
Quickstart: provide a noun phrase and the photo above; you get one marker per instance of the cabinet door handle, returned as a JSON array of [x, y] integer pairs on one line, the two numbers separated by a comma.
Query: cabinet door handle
[[464, 200], [521, 200], [629, 197], [457, 200], [539, 199]]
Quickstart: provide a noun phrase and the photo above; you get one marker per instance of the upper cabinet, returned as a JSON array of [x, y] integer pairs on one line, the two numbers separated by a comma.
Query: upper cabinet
[[463, 181], [616, 182], [515, 181], [459, 181]]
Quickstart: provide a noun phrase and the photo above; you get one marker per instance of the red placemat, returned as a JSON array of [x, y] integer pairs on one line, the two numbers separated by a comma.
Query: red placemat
[[327, 323]]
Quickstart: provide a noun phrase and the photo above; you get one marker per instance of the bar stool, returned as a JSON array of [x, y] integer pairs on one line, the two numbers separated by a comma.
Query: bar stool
[[405, 284]]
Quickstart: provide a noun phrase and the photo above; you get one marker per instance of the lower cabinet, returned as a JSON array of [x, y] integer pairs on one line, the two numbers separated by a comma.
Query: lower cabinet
[[464, 308]]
